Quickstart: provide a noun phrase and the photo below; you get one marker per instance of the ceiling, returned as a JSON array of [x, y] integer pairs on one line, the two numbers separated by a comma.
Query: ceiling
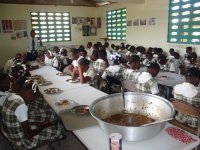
[[91, 3]]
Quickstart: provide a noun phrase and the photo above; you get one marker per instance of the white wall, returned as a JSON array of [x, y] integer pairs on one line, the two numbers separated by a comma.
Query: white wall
[[8, 47], [155, 36]]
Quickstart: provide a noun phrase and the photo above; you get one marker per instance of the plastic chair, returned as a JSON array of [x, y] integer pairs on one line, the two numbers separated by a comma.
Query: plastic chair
[[188, 109]]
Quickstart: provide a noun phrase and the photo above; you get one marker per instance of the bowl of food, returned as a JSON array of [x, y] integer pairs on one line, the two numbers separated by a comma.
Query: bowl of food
[[132, 116]]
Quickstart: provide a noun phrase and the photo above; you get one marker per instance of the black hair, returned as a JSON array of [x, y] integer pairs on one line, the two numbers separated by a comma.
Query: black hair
[[95, 47], [192, 56], [74, 51], [193, 72], [127, 46], [112, 46], [150, 49], [83, 62], [132, 49], [122, 45], [32, 31], [4, 82], [162, 58], [154, 65], [102, 54], [90, 43], [95, 53], [56, 49], [134, 58], [171, 50], [176, 55], [82, 51], [150, 54], [117, 47], [189, 48], [81, 47]]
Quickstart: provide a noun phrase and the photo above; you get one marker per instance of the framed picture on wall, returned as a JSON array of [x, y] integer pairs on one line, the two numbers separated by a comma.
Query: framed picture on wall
[[135, 22], [98, 22], [152, 21], [129, 23], [86, 30], [74, 20], [93, 30], [143, 22]]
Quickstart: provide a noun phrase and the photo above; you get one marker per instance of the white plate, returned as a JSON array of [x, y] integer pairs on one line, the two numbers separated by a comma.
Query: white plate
[[43, 83], [52, 91], [64, 103], [73, 81]]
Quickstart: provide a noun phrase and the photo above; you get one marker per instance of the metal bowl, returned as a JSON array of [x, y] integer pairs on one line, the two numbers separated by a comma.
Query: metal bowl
[[150, 105]]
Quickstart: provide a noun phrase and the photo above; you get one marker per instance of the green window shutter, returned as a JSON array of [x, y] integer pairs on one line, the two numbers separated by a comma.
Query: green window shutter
[[51, 26], [184, 21], [116, 24]]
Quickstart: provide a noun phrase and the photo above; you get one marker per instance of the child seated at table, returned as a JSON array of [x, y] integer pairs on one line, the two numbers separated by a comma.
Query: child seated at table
[[188, 51], [149, 59], [19, 123], [84, 71], [101, 63], [93, 57], [74, 56], [162, 61], [134, 70], [8, 65], [188, 92], [64, 61], [174, 63], [48, 58], [146, 80], [192, 60], [55, 59]]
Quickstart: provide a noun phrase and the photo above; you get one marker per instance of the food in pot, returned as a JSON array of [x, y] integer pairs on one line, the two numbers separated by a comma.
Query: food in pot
[[128, 119]]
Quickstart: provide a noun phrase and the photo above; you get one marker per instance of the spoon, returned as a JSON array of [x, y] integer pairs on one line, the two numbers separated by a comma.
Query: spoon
[[123, 98], [156, 122]]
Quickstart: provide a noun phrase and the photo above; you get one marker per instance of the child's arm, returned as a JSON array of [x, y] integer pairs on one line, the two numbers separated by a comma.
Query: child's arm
[[82, 78], [75, 73]]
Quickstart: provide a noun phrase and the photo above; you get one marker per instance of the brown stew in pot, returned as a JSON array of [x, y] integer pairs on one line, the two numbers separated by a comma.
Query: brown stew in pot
[[128, 119]]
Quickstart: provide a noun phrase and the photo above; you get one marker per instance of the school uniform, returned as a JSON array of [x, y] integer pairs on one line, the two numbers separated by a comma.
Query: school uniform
[[113, 71], [189, 93], [130, 74], [90, 73], [14, 112], [89, 51], [146, 83], [99, 66]]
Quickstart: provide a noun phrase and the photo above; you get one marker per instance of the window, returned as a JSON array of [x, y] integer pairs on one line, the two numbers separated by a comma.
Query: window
[[51, 27], [116, 24], [184, 21]]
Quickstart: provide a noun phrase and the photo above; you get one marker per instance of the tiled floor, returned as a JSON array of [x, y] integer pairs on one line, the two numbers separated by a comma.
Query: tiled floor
[[70, 143]]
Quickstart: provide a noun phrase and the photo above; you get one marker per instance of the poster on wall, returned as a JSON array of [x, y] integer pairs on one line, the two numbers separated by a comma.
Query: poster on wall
[[129, 23], [92, 21], [7, 26], [19, 25], [143, 22], [86, 30], [152, 21], [135, 22], [98, 22], [74, 20], [93, 30]]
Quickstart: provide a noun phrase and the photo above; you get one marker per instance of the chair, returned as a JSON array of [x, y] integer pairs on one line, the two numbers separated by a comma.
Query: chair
[[128, 85], [188, 109]]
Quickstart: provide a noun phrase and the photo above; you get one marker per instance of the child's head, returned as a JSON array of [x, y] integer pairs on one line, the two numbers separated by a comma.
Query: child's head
[[63, 52], [193, 76], [162, 59], [94, 55], [95, 47], [132, 49], [127, 46], [82, 52], [84, 64], [112, 46], [153, 69], [116, 58], [150, 49], [29, 92], [188, 49], [5, 82], [56, 51], [102, 55], [149, 56], [117, 47], [18, 71], [122, 46], [176, 55], [134, 62], [89, 44], [74, 54], [171, 51], [192, 57], [81, 47]]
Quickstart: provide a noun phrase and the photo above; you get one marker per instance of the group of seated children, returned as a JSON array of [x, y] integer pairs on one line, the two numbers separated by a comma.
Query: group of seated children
[[122, 63]]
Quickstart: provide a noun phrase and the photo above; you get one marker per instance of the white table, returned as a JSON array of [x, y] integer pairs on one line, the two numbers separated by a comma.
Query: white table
[[169, 79], [93, 137]]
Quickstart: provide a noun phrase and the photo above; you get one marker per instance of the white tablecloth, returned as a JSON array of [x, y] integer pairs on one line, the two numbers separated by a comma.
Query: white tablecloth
[[169, 79]]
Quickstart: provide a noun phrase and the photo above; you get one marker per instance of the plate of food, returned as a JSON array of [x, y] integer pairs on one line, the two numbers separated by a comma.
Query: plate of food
[[73, 81], [64, 103], [43, 82], [164, 77], [36, 77], [60, 74], [52, 91]]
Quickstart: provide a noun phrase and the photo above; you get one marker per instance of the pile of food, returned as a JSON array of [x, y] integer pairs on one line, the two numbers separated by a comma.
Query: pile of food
[[51, 90], [128, 119], [62, 103]]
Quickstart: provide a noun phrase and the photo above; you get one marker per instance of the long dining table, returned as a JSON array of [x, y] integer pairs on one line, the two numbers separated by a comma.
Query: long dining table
[[93, 137]]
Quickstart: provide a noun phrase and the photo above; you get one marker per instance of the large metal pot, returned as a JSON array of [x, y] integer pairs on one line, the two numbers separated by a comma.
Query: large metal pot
[[150, 105]]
